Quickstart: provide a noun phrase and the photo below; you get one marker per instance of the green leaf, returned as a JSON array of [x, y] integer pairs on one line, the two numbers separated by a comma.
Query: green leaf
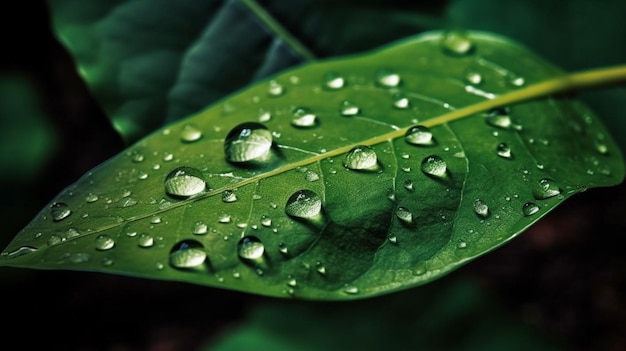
[[305, 185]]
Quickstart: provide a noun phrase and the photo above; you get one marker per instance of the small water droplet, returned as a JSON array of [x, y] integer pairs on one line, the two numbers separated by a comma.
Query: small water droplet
[[530, 208], [266, 221], [275, 89], [601, 147], [500, 118], [59, 211], [200, 228], [145, 240], [461, 244], [514, 80], [392, 239], [184, 182], [250, 248], [504, 151], [419, 135], [303, 118], [404, 214], [155, 220], [408, 184], [348, 109], [229, 196], [54, 239], [391, 194], [546, 188], [333, 81], [190, 134], [24, 250], [350, 289], [291, 282], [168, 156], [361, 157], [136, 157], [224, 218], [481, 208], [387, 78], [104, 242], [91, 197], [248, 141], [71, 233], [264, 116], [457, 43], [434, 165], [304, 204], [283, 248], [311, 176], [400, 101], [473, 77], [187, 254], [126, 202]]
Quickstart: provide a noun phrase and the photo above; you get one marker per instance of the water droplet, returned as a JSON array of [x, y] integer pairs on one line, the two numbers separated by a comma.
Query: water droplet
[[419, 135], [291, 282], [404, 214], [392, 239], [184, 182], [388, 79], [349, 289], [136, 157], [126, 202], [361, 157], [303, 118], [248, 141], [461, 244], [224, 218], [168, 156], [434, 165], [457, 43], [391, 194], [530, 208], [546, 188], [500, 118], [54, 239], [400, 101], [264, 116], [275, 89], [24, 250], [187, 254], [145, 240], [504, 151], [333, 80], [481, 208], [408, 184], [250, 248], [59, 211], [229, 196], [283, 248], [266, 221], [514, 80], [304, 204], [348, 109], [104, 242], [311, 176], [190, 133], [473, 77], [200, 228], [90, 198], [71, 233]]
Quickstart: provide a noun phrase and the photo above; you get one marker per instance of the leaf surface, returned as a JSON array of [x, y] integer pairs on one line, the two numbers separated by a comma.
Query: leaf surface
[[310, 212]]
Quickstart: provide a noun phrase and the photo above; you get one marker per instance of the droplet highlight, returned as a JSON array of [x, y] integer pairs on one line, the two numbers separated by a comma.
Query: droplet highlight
[[530, 208], [457, 43], [404, 214], [387, 78]]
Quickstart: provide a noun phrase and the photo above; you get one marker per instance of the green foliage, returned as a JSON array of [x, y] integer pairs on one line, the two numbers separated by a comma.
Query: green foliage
[[315, 183]]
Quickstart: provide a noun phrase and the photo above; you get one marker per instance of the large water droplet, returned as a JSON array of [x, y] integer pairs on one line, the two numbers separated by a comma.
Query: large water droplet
[[187, 254], [546, 188], [333, 80], [419, 135], [304, 204], [190, 133], [59, 211], [481, 208], [184, 181], [457, 43], [434, 165], [250, 248], [303, 118], [104, 242], [361, 157], [387, 78], [348, 109], [248, 141], [145, 240], [530, 208], [504, 151], [404, 214]]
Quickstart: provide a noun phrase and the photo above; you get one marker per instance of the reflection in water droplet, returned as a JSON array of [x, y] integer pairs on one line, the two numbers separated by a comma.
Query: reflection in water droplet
[[546, 188], [400, 101], [504, 151], [434, 165], [229, 196], [333, 80], [275, 89], [530, 208], [200, 228], [601, 147], [187, 254], [388, 79], [104, 242], [168, 156], [348, 109], [250, 248], [303, 118], [304, 204], [59, 211], [404, 214], [419, 135], [190, 133], [145, 240], [457, 43], [248, 141], [481, 208], [361, 157], [184, 181]]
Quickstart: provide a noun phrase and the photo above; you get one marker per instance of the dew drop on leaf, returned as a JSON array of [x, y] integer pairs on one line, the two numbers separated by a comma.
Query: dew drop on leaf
[[190, 134], [250, 248], [530, 208], [145, 240], [546, 188], [434, 165], [187, 254], [387, 78], [200, 228], [408, 184], [304, 204], [504, 151], [282, 247], [275, 89], [229, 196], [361, 157], [248, 141], [54, 240], [266, 221], [59, 211], [333, 81], [500, 118], [91, 198], [311, 176], [457, 43], [24, 250], [515, 80], [481, 208], [184, 182], [136, 157], [224, 218], [348, 109], [349, 289], [473, 77], [404, 214], [71, 233], [303, 118], [104, 242], [400, 101], [264, 116], [419, 135]]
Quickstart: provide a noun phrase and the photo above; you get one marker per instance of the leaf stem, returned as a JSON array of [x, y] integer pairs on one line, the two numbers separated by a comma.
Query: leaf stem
[[284, 35]]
